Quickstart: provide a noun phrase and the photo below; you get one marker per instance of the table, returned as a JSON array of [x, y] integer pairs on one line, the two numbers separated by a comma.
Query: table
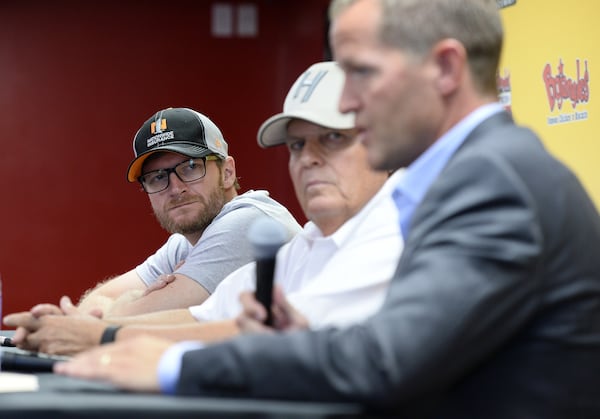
[[65, 397]]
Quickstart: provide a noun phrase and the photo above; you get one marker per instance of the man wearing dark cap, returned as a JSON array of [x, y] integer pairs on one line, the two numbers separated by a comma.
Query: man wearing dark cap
[[181, 161]]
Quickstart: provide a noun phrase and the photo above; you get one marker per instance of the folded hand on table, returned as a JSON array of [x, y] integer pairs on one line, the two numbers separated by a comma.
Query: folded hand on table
[[131, 364], [55, 329]]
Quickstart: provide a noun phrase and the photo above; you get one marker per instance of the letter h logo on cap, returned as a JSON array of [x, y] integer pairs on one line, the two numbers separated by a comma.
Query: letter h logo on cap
[[308, 84]]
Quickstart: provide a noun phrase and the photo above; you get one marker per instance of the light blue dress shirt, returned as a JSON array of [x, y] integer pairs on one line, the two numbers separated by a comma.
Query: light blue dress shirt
[[419, 176], [169, 365]]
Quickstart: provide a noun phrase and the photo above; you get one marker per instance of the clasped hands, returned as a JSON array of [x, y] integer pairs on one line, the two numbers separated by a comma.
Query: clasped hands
[[63, 329], [52, 329]]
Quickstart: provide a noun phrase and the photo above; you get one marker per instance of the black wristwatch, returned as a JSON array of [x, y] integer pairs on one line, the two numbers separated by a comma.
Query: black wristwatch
[[109, 334]]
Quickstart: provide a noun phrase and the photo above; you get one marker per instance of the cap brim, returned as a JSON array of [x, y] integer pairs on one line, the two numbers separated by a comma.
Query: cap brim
[[274, 130], [134, 171]]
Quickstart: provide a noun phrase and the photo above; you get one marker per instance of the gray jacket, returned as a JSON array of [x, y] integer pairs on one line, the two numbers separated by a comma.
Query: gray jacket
[[494, 310]]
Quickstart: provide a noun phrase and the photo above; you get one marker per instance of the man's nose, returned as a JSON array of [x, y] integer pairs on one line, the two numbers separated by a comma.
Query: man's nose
[[175, 183], [348, 100], [311, 153]]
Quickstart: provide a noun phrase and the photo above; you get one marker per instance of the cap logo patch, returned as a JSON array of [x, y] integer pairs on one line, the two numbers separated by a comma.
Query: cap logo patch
[[154, 129], [308, 85], [159, 138]]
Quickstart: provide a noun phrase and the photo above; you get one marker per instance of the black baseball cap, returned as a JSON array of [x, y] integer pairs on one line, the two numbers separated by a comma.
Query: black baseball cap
[[180, 130]]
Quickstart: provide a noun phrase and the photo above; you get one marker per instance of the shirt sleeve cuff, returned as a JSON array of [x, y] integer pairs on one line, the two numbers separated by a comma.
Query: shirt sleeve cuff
[[169, 366]]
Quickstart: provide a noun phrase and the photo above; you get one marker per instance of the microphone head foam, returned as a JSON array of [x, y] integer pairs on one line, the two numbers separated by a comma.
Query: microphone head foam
[[266, 237]]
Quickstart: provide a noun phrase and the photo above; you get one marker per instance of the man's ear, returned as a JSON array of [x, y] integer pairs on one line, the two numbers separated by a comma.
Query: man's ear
[[229, 174], [450, 56]]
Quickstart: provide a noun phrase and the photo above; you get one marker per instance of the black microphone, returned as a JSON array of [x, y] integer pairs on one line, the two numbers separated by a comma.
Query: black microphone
[[266, 237], [25, 361]]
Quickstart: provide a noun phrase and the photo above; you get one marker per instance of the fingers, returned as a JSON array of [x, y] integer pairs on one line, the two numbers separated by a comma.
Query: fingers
[[249, 325], [161, 282], [96, 312], [169, 278], [90, 364], [25, 323], [251, 308], [283, 312], [40, 310], [279, 298], [22, 339], [253, 315], [65, 335], [285, 315], [24, 319], [67, 306], [19, 338], [32, 343], [121, 363]]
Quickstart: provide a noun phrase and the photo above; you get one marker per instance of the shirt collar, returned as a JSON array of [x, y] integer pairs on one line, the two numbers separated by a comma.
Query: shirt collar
[[423, 171]]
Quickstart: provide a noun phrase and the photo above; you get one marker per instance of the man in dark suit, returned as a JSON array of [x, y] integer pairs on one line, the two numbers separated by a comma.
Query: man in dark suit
[[494, 310]]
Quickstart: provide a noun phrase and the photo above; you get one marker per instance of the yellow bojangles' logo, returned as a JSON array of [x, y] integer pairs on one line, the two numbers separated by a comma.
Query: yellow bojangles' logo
[[218, 143], [161, 128]]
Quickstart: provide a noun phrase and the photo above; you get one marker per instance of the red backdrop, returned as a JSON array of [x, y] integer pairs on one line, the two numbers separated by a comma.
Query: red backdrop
[[77, 79]]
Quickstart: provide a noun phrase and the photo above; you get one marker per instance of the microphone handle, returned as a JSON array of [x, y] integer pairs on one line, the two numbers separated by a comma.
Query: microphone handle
[[11, 361], [265, 270]]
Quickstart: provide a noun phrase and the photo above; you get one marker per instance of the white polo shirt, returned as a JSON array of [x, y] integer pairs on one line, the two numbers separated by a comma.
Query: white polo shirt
[[335, 280]]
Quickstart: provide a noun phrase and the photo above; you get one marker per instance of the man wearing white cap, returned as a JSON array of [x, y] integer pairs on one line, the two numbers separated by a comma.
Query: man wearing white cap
[[336, 271]]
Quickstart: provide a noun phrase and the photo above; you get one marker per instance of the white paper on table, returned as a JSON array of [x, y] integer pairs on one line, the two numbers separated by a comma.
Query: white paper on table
[[16, 382]]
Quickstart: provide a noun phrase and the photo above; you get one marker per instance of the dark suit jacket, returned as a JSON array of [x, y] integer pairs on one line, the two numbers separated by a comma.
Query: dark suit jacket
[[494, 310]]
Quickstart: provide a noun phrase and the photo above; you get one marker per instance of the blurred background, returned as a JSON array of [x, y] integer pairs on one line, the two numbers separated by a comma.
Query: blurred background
[[78, 78]]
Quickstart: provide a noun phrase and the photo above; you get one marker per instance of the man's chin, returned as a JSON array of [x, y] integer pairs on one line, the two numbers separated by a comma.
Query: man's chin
[[377, 162], [177, 224], [322, 205], [382, 160]]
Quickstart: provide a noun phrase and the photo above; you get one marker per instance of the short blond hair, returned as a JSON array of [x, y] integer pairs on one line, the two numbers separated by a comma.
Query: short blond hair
[[417, 25]]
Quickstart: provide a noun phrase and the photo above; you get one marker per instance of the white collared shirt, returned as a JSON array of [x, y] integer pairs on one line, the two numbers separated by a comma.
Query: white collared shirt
[[335, 280]]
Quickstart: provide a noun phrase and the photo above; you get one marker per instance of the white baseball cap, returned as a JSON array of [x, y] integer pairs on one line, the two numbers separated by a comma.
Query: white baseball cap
[[314, 97]]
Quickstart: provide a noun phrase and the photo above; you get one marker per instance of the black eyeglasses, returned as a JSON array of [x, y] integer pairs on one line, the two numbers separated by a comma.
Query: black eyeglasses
[[187, 171]]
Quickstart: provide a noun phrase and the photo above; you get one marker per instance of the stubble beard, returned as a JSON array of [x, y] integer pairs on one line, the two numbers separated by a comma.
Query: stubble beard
[[393, 153], [210, 209], [383, 159]]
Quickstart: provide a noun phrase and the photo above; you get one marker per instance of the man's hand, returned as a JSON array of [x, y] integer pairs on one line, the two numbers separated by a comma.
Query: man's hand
[[131, 364], [28, 324], [26, 321], [55, 330], [161, 282], [66, 335], [253, 316], [65, 307]]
